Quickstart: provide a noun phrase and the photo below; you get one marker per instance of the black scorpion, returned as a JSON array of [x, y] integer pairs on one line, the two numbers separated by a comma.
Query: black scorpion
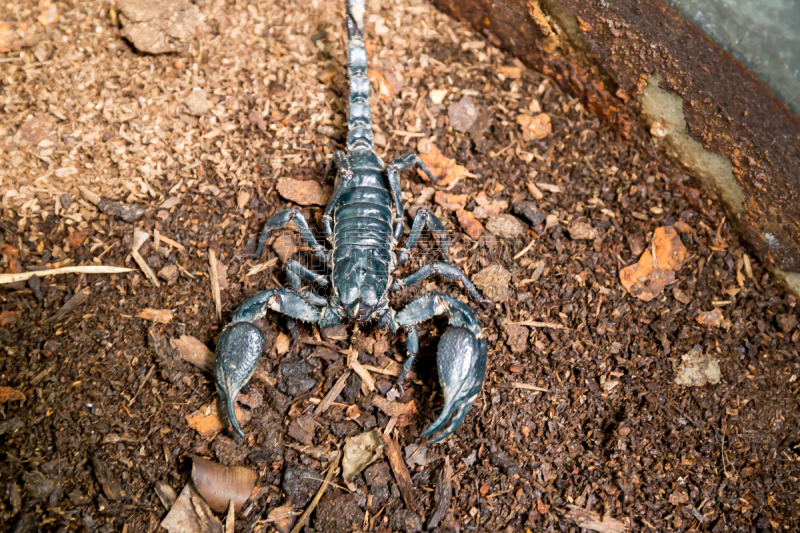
[[363, 233]]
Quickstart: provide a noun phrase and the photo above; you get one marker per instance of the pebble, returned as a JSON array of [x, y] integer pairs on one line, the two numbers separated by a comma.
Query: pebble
[[197, 102], [581, 231], [127, 212], [530, 211], [505, 226], [169, 273], [536, 127], [462, 114], [469, 224], [303, 192], [493, 282], [158, 26]]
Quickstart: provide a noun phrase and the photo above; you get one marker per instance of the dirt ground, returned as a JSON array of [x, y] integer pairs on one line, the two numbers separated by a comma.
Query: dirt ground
[[104, 419]]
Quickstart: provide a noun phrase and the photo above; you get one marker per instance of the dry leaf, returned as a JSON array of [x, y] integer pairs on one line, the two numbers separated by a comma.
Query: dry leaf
[[194, 351], [283, 343], [443, 168], [162, 316], [697, 369], [711, 318], [451, 202], [647, 278], [186, 517], [284, 246], [219, 484], [359, 452], [7, 394], [469, 224]]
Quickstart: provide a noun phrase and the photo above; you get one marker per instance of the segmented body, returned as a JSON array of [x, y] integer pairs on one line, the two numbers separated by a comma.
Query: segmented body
[[363, 222]]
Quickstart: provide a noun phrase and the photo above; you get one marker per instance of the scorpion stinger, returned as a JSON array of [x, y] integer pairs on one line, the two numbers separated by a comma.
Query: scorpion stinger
[[362, 230]]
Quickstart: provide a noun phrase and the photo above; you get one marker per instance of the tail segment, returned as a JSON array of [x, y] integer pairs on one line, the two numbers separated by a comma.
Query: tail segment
[[359, 117]]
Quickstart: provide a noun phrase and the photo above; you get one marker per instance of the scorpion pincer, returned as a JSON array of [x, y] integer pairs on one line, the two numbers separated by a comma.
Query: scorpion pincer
[[363, 233]]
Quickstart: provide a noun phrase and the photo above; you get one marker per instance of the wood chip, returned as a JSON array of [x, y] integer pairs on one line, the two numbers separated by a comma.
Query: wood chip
[[329, 398], [213, 270], [78, 299], [194, 351], [590, 520], [358, 368], [394, 408], [162, 316], [534, 190], [442, 494], [401, 475], [108, 481]]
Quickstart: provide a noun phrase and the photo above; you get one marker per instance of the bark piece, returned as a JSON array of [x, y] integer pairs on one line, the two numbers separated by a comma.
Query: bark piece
[[443, 494], [401, 475], [108, 481]]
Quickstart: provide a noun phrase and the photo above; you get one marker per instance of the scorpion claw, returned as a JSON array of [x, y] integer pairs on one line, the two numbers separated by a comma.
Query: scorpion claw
[[461, 360], [238, 351]]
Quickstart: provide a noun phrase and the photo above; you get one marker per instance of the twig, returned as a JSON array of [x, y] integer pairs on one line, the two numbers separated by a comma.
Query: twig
[[535, 324], [358, 368], [310, 509], [24, 276], [263, 266], [525, 250], [212, 270], [520, 385], [385, 371], [337, 388], [10, 59], [401, 474], [149, 373]]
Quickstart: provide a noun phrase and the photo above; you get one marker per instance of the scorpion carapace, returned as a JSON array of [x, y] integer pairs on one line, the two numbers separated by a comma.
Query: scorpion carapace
[[363, 223]]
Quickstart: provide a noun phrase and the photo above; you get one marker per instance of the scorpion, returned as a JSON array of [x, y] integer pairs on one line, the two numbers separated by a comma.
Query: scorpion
[[363, 258]]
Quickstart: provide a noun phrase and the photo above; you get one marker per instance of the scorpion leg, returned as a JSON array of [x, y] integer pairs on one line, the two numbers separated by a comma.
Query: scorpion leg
[[406, 162], [461, 357], [295, 271], [240, 344], [445, 270], [280, 220], [424, 218], [339, 161]]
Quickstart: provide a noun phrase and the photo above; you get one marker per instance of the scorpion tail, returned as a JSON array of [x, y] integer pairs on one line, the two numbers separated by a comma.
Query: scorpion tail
[[238, 351], [359, 117], [461, 360]]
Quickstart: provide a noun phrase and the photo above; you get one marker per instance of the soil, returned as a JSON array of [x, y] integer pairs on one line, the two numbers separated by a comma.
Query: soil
[[104, 421]]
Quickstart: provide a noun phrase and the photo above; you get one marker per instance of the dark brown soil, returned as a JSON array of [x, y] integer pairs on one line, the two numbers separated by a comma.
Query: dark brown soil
[[106, 401]]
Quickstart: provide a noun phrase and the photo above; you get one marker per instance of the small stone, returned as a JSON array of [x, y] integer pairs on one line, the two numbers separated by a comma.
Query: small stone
[[302, 430], [169, 273], [505, 226], [158, 26], [469, 224], [517, 336], [127, 212], [530, 211], [303, 192], [437, 95], [581, 231], [462, 114], [710, 318], [493, 282], [786, 322], [197, 102], [66, 200], [282, 343], [535, 127], [697, 369]]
